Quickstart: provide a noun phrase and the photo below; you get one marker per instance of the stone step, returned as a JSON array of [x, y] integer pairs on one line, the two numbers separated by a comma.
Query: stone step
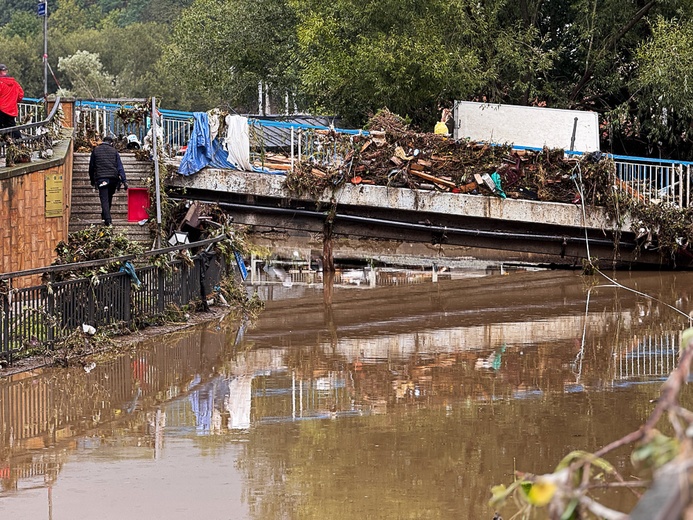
[[86, 207]]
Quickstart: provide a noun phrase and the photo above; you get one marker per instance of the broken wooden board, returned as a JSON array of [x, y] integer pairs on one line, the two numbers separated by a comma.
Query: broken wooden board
[[434, 179]]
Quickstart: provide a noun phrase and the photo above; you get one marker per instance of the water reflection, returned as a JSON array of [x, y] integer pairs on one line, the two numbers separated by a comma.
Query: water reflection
[[399, 400]]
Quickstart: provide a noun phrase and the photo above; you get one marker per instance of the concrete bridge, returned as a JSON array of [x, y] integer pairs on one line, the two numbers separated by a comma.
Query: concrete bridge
[[458, 225], [368, 221]]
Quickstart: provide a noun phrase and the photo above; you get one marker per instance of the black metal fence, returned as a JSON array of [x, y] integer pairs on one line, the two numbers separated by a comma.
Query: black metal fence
[[32, 317]]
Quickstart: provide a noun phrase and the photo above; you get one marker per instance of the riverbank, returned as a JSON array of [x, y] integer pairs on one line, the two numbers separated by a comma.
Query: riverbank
[[114, 345]]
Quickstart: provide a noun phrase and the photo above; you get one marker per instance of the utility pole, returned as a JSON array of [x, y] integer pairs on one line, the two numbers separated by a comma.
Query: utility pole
[[42, 10]]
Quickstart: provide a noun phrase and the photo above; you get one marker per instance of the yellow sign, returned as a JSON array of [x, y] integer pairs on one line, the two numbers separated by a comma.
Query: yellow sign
[[54, 195]]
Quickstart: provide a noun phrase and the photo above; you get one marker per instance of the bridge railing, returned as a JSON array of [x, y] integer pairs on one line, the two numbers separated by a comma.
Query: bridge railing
[[656, 180], [37, 129], [101, 118], [32, 318], [302, 138], [651, 180]]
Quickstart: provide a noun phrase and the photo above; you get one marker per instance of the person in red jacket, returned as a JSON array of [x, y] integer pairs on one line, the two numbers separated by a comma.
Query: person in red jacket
[[11, 93]]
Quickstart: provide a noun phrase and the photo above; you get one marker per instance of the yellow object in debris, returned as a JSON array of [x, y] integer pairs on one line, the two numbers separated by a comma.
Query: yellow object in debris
[[441, 128], [399, 152]]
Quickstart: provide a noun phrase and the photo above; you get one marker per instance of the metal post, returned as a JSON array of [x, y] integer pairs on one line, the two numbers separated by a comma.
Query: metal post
[[293, 134], [50, 309], [155, 138], [6, 324], [259, 98], [45, 51]]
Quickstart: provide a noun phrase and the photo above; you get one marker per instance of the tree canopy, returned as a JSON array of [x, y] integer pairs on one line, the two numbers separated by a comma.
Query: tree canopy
[[626, 59]]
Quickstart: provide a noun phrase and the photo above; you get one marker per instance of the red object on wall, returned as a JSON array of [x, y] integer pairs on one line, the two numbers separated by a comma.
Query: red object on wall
[[138, 203]]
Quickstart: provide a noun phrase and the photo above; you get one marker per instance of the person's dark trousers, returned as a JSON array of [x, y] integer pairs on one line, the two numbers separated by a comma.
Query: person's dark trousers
[[107, 187], [8, 122]]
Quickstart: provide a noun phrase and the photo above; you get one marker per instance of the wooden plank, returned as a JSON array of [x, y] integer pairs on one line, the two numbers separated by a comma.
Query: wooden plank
[[471, 186], [275, 166], [366, 145], [629, 189], [433, 179]]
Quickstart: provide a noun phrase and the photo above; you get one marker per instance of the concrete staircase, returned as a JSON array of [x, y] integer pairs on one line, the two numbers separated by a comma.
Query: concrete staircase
[[86, 208]]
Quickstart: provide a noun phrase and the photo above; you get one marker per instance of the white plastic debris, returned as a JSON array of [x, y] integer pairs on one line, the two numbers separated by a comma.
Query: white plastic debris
[[88, 329]]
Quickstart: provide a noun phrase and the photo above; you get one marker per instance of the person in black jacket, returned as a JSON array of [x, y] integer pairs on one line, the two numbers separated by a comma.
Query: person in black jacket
[[106, 174]]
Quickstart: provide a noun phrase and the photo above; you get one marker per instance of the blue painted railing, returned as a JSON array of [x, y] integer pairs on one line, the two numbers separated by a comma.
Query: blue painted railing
[[658, 180]]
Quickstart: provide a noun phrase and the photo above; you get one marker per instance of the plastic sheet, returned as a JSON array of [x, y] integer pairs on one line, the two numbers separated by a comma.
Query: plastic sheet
[[202, 151]]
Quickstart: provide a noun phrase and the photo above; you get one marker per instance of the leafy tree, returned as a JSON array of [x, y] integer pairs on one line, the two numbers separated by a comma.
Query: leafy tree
[[87, 76], [221, 49], [69, 17], [23, 24], [23, 58], [411, 56], [10, 7], [661, 107]]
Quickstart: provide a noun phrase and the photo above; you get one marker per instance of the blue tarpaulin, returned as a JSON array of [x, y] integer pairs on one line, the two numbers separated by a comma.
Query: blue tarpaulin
[[202, 151]]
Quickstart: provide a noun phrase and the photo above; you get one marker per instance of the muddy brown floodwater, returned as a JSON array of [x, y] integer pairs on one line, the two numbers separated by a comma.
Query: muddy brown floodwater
[[403, 399]]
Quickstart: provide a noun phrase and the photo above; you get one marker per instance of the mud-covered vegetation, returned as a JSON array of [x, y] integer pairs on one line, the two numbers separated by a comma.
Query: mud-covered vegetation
[[98, 246]]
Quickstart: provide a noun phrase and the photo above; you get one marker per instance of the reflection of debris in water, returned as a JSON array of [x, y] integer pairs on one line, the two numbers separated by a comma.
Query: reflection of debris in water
[[279, 273], [493, 361], [354, 276]]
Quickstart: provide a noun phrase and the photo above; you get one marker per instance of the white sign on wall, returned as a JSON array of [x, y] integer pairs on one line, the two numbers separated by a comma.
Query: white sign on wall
[[527, 126]]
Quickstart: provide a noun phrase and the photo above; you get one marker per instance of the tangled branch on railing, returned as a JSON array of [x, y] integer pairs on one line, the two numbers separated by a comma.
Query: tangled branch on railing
[[568, 492]]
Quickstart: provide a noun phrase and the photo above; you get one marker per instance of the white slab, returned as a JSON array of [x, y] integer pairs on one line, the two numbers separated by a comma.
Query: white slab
[[527, 126]]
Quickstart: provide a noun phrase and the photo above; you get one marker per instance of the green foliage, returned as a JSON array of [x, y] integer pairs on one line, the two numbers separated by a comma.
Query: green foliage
[[656, 451], [23, 58], [249, 41], [95, 243], [87, 76], [358, 57], [664, 82], [24, 25]]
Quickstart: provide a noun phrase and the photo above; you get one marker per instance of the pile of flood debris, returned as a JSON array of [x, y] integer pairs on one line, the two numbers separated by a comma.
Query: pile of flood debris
[[392, 154], [93, 243], [196, 219]]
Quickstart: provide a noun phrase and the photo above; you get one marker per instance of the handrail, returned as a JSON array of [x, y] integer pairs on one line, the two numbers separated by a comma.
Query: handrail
[[184, 115], [27, 126], [106, 261]]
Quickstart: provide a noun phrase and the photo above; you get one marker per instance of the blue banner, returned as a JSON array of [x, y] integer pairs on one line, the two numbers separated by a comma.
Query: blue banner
[[241, 265]]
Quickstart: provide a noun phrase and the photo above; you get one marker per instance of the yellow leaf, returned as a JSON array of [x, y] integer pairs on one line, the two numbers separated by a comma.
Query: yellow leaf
[[541, 493]]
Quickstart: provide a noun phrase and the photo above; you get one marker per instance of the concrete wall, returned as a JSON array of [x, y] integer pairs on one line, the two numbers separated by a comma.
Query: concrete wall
[[27, 236], [526, 126]]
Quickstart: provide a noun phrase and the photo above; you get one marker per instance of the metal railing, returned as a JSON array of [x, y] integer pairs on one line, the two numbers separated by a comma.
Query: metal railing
[[101, 118], [302, 138], [33, 317], [37, 134], [655, 180]]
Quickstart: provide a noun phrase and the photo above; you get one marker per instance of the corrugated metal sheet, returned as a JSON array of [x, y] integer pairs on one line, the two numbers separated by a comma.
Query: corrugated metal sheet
[[278, 139]]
